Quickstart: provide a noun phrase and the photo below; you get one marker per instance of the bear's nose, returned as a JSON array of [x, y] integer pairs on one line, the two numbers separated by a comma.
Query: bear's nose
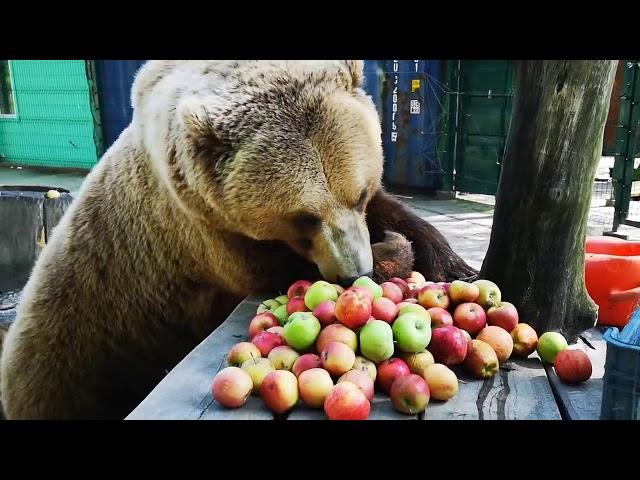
[[348, 281]]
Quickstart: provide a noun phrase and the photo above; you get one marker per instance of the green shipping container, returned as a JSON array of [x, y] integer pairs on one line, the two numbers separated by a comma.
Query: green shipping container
[[52, 120]]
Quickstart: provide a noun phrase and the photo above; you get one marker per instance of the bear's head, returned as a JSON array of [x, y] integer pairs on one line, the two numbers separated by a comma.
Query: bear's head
[[273, 150]]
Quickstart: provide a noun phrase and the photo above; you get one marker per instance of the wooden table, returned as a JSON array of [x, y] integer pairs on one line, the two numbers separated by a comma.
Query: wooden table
[[523, 389]]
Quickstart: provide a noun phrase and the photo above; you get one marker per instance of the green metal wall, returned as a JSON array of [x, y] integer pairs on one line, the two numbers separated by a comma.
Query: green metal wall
[[55, 124]]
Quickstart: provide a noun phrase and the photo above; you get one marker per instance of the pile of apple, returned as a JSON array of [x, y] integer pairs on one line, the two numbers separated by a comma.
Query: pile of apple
[[332, 348]]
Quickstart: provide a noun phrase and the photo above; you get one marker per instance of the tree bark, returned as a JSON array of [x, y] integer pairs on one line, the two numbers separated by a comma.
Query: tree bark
[[537, 247]]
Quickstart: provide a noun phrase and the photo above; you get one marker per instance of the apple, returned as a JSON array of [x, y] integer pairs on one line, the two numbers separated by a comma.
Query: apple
[[267, 341], [525, 340], [573, 366], [376, 341], [346, 402], [258, 369], [279, 391], [499, 339], [306, 362], [439, 317], [298, 289], [392, 291], [417, 362], [268, 306], [319, 292], [481, 360], [277, 330], [463, 292], [353, 309], [231, 387], [412, 332], [384, 309], [470, 317], [337, 358], [283, 357], [301, 330], [433, 296], [369, 284], [489, 293], [314, 385], [261, 322], [296, 304], [448, 345], [408, 300], [241, 352], [549, 345], [504, 315], [325, 312], [281, 314], [361, 380], [443, 383], [337, 333], [401, 284], [338, 288], [405, 307], [466, 335], [414, 291], [410, 394], [417, 278], [389, 371], [366, 366], [363, 291], [282, 299]]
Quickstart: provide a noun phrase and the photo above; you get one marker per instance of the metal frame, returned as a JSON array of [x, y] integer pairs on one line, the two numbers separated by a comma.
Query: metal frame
[[11, 116]]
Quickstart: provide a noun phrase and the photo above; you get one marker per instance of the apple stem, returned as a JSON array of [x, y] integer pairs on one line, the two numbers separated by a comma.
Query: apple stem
[[254, 358]]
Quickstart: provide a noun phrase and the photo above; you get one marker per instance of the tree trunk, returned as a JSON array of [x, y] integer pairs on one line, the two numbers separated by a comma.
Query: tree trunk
[[536, 252]]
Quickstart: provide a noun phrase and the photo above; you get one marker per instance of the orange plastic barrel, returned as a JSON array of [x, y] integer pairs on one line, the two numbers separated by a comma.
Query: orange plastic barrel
[[612, 278]]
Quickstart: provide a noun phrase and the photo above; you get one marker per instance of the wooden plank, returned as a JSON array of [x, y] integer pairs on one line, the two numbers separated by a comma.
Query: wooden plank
[[185, 393], [582, 402], [520, 391]]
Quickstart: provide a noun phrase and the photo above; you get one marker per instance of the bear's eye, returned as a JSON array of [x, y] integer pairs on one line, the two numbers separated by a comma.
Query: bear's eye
[[362, 200], [306, 221]]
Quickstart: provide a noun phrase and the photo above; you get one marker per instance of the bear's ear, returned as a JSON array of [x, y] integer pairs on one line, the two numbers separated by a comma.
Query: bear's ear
[[198, 122], [356, 71]]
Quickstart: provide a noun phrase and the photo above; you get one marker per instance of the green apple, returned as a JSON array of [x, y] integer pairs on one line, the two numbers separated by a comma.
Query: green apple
[[550, 344], [319, 292], [376, 341], [489, 294], [414, 308], [369, 284], [282, 299], [412, 332], [281, 314], [268, 306], [301, 330]]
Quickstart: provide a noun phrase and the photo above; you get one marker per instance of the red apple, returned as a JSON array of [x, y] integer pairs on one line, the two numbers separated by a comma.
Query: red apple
[[505, 316], [231, 387], [314, 385], [392, 291], [267, 341], [364, 291], [417, 278], [481, 360], [336, 333], [278, 331], [306, 362], [446, 286], [279, 391], [433, 295], [325, 313], [384, 309], [241, 352], [466, 335], [353, 308], [410, 394], [296, 304], [463, 292], [499, 339], [470, 317], [346, 402], [525, 340], [414, 291], [261, 322], [361, 380], [298, 289], [337, 358], [401, 284], [440, 317], [388, 371], [407, 301], [448, 345], [573, 366]]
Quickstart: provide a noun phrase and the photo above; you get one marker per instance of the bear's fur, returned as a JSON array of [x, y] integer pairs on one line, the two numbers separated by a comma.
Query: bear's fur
[[233, 176]]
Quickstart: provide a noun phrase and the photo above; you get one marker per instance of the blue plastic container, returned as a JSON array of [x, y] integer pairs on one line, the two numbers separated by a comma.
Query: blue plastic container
[[621, 382]]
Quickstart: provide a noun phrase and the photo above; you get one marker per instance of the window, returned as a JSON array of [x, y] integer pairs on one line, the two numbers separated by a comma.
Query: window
[[7, 99]]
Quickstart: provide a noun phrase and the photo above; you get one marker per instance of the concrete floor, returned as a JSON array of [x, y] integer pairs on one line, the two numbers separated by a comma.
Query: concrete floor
[[17, 176]]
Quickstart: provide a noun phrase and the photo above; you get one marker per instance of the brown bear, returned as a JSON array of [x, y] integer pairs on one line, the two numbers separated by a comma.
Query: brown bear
[[233, 176]]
